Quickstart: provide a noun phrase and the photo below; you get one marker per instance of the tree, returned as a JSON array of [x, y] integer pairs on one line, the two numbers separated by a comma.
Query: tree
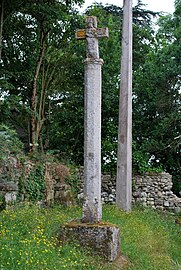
[[1, 26], [40, 27], [65, 132], [156, 113], [110, 50]]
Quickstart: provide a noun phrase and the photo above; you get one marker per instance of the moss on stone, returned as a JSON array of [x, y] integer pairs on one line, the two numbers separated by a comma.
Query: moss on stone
[[74, 224]]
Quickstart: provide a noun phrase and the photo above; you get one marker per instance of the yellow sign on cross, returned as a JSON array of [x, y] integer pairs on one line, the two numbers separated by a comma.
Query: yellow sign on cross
[[81, 34]]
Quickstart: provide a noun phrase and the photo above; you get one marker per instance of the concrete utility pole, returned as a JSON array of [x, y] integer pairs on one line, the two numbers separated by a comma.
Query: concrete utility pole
[[92, 208], [124, 162]]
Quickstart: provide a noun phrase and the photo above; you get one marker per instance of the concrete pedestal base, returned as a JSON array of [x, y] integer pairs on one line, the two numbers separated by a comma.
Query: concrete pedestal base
[[102, 238]]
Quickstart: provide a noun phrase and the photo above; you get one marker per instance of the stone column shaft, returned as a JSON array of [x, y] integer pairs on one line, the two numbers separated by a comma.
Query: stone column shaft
[[92, 208], [124, 164]]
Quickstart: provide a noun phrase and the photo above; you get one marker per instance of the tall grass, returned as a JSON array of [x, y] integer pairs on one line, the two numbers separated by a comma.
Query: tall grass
[[28, 240], [151, 240]]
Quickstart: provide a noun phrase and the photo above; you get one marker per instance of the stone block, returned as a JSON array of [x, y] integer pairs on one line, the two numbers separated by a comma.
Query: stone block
[[136, 194], [159, 202], [168, 193], [10, 197], [158, 207], [171, 203], [113, 191], [143, 194], [112, 198], [8, 186], [151, 199], [63, 194], [104, 194], [143, 199], [101, 238], [150, 202], [166, 203], [166, 188], [80, 196], [159, 194], [177, 210]]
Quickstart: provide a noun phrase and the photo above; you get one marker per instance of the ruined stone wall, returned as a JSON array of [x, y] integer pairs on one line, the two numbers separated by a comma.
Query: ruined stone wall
[[56, 188], [8, 193], [150, 190], [155, 191]]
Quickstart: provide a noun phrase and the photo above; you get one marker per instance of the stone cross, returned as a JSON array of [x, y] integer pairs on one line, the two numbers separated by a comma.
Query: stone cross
[[92, 207], [124, 163]]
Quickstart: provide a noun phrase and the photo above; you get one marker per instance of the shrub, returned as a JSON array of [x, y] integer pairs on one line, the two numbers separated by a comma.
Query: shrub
[[10, 154]]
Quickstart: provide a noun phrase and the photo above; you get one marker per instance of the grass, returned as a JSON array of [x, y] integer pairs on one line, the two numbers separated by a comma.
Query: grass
[[28, 240], [149, 240]]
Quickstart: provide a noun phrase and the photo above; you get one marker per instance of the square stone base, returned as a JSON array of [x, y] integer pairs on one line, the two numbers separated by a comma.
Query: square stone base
[[101, 238]]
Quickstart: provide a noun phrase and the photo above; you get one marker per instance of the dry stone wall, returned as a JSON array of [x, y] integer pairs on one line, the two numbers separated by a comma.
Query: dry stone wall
[[56, 189], [155, 191], [8, 193], [149, 190]]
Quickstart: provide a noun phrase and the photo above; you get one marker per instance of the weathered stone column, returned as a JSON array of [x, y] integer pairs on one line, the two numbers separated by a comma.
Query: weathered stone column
[[124, 163], [92, 209], [101, 238]]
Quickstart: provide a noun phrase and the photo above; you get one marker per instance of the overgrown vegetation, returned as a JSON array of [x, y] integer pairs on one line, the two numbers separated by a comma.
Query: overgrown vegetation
[[35, 183], [10, 154], [29, 240], [29, 170]]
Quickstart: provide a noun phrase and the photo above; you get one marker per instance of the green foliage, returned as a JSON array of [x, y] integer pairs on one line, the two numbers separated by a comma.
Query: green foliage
[[142, 162], [27, 26], [14, 166], [9, 142], [156, 102], [73, 180], [35, 183], [14, 114], [10, 153], [2, 202]]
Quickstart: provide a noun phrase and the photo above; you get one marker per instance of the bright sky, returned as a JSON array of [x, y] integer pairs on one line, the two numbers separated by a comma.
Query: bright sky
[[153, 5]]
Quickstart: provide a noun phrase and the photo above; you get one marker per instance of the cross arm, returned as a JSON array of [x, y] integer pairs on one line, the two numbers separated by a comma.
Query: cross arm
[[102, 32], [95, 32]]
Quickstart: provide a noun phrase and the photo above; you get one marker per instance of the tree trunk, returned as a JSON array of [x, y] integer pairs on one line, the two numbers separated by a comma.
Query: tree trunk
[[1, 27], [34, 99]]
